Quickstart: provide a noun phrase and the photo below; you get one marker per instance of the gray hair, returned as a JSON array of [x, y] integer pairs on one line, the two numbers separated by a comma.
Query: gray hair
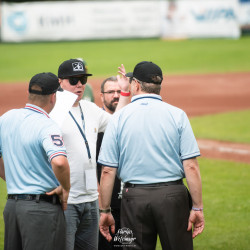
[[150, 88], [112, 79]]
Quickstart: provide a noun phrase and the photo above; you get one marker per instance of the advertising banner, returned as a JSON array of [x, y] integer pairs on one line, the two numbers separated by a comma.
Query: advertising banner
[[76, 20], [90, 20], [200, 19], [244, 14]]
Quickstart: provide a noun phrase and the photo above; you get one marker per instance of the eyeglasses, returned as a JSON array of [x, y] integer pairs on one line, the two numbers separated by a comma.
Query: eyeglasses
[[74, 80], [112, 92]]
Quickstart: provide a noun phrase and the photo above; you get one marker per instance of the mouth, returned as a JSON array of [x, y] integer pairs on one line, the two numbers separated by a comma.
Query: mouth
[[115, 101]]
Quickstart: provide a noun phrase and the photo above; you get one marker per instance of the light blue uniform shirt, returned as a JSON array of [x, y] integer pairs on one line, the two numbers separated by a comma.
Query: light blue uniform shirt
[[29, 140], [147, 141]]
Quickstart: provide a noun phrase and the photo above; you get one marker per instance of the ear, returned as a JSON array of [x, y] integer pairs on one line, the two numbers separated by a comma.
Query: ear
[[102, 98], [138, 86], [53, 98]]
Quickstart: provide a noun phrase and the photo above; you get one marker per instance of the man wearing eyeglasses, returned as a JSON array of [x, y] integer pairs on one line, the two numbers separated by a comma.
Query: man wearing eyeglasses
[[110, 95], [80, 129]]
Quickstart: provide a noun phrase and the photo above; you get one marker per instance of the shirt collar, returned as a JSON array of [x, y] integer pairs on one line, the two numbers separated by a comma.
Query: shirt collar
[[36, 109], [142, 96]]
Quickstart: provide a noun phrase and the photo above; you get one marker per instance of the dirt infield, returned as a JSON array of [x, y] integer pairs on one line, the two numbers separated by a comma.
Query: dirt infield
[[195, 94]]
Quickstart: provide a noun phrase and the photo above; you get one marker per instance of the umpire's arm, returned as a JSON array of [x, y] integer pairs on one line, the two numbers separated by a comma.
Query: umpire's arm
[[60, 167], [106, 189], [193, 177], [106, 186]]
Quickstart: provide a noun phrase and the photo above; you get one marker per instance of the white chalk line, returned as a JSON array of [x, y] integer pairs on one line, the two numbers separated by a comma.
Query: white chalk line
[[226, 149]]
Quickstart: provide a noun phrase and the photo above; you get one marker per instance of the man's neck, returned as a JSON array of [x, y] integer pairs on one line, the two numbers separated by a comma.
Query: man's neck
[[46, 107], [76, 104]]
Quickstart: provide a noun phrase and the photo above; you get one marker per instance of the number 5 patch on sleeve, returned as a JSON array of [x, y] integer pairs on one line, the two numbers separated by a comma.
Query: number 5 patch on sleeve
[[57, 140]]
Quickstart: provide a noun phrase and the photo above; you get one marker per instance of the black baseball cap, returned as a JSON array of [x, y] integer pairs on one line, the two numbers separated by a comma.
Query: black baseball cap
[[48, 82], [147, 72], [72, 67]]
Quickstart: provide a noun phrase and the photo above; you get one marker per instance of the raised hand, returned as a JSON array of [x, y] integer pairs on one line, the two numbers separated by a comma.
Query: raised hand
[[123, 81]]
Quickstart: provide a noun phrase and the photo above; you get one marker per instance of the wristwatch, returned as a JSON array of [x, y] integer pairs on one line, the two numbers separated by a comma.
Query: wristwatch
[[105, 211]]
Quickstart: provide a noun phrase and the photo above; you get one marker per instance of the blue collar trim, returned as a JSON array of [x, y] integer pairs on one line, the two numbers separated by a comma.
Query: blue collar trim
[[152, 96], [36, 109]]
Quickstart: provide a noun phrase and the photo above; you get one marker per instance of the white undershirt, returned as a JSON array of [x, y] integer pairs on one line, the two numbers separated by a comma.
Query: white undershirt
[[96, 121]]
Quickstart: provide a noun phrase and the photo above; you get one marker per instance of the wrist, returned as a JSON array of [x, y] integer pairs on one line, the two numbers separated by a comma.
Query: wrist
[[105, 211], [66, 188], [125, 93], [197, 209]]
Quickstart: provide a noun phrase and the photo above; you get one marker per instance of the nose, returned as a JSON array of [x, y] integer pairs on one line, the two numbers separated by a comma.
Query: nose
[[116, 94], [79, 84]]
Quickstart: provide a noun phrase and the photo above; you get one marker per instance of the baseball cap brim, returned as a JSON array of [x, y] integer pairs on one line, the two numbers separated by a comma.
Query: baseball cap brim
[[78, 75], [129, 74]]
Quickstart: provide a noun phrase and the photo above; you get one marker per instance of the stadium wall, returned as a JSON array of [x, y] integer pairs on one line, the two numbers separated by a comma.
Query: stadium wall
[[90, 20]]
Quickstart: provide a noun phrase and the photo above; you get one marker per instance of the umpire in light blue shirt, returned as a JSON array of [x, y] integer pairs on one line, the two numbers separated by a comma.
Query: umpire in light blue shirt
[[150, 145], [34, 164]]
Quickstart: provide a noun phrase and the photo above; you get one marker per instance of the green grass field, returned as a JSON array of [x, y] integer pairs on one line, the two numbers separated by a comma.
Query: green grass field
[[225, 184], [226, 206], [232, 126], [19, 62]]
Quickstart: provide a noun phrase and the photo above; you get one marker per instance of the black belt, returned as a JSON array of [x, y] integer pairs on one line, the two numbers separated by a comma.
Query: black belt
[[37, 197], [178, 182]]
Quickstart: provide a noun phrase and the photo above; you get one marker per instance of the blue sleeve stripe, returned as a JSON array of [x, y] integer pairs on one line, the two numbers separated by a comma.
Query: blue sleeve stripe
[[112, 165], [57, 154], [189, 156]]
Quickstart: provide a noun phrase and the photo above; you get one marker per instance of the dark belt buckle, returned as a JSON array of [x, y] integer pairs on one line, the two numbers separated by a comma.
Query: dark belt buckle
[[54, 200], [37, 198]]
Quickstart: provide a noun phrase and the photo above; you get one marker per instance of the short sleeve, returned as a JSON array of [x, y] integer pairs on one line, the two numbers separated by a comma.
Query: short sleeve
[[188, 144], [103, 120], [52, 141]]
